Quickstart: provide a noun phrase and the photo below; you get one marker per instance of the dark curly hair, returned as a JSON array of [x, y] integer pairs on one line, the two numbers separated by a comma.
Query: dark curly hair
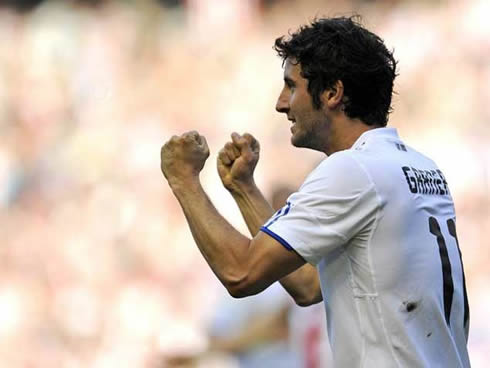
[[340, 48]]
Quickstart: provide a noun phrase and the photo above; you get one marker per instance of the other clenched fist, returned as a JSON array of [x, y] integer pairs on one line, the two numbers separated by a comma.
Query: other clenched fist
[[183, 157], [237, 161]]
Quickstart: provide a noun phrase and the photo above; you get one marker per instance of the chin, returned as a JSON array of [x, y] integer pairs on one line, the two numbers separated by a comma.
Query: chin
[[298, 141], [294, 140], [303, 141], [298, 137]]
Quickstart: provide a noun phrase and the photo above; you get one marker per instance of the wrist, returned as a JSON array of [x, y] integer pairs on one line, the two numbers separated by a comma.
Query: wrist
[[243, 188], [179, 185]]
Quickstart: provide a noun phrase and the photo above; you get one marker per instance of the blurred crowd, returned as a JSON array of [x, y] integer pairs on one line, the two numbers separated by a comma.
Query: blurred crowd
[[97, 266]]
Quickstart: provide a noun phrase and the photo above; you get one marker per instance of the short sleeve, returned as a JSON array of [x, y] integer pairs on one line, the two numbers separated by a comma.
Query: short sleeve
[[335, 203]]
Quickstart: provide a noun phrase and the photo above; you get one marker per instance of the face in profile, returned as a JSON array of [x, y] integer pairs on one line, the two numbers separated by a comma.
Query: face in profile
[[309, 125]]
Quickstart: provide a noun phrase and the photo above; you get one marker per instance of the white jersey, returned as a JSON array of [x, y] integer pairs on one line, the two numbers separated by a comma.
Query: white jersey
[[378, 222]]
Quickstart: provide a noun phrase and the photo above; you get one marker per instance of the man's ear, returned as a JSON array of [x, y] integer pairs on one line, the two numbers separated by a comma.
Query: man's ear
[[332, 97]]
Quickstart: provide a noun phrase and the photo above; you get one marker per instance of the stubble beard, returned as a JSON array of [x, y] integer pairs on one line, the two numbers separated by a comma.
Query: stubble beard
[[309, 137]]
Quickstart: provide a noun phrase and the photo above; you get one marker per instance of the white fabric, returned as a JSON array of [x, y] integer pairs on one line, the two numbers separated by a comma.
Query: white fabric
[[362, 218]]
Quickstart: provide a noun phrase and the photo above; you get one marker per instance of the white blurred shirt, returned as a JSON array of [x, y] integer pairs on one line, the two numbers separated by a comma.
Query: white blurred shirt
[[378, 222]]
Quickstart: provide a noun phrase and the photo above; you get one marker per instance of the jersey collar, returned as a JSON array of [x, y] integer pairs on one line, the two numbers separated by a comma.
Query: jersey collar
[[377, 132]]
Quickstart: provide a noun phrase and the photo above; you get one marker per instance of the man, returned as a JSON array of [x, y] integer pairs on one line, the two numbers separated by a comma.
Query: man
[[371, 230]]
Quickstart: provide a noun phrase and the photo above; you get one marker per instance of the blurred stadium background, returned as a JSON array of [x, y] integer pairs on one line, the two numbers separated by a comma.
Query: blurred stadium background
[[97, 266]]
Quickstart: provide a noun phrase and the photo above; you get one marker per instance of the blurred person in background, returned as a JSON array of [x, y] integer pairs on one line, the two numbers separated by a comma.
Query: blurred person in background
[[372, 228], [255, 332]]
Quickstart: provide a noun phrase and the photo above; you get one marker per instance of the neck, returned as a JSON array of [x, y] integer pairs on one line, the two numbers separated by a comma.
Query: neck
[[345, 133]]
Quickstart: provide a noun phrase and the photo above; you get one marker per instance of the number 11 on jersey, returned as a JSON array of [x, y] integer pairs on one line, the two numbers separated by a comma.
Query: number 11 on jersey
[[448, 286]]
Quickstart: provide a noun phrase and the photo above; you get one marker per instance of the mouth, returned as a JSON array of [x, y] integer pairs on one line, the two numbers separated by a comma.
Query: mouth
[[292, 121]]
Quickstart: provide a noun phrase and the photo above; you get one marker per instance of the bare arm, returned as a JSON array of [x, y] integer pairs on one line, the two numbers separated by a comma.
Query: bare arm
[[303, 284], [269, 327], [244, 266], [236, 163]]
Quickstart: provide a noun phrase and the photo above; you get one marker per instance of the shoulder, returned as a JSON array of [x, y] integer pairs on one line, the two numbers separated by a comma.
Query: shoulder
[[339, 172]]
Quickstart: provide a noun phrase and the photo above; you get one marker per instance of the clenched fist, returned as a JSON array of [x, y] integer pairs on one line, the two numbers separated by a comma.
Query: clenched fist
[[237, 161], [184, 157]]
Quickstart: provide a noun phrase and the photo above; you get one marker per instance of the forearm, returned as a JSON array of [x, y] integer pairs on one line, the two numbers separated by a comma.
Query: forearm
[[258, 330], [223, 247], [254, 207], [303, 285]]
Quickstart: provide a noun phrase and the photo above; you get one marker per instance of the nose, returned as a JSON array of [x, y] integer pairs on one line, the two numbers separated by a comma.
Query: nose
[[282, 104]]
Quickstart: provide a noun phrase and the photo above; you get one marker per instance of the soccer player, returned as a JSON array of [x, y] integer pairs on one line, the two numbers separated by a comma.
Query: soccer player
[[371, 231]]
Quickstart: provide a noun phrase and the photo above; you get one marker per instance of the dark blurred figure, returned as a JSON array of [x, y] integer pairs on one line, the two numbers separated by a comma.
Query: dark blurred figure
[[20, 6], [94, 4], [171, 3]]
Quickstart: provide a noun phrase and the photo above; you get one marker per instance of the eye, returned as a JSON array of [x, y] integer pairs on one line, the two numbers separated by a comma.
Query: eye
[[289, 83]]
